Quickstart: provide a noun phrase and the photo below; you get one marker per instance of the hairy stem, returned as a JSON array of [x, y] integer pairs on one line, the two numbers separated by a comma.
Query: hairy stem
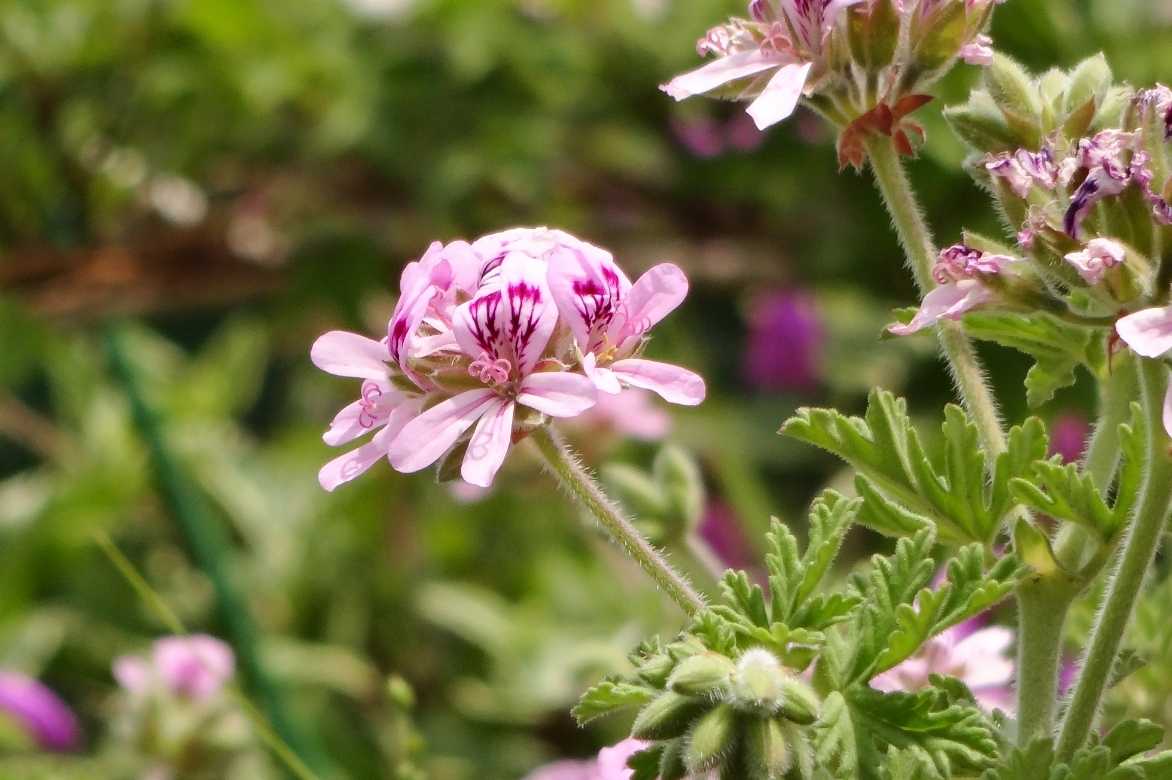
[[916, 239], [1138, 551], [1041, 618], [580, 484]]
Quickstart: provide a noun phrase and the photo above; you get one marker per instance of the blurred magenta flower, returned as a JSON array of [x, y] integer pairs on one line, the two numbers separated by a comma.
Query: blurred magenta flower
[[720, 530], [975, 654], [611, 764], [706, 138], [194, 667], [785, 341], [39, 712], [1068, 436], [482, 329]]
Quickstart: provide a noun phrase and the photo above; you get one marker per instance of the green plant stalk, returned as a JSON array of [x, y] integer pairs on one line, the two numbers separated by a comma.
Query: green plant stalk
[[579, 483], [205, 539], [1138, 551], [921, 253]]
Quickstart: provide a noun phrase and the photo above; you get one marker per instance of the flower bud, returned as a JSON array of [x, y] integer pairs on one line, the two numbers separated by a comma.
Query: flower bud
[[938, 36], [1089, 82], [701, 674], [666, 716], [671, 761], [766, 754], [712, 738], [757, 682], [682, 484], [873, 33], [1016, 96], [656, 669], [981, 125], [799, 703]]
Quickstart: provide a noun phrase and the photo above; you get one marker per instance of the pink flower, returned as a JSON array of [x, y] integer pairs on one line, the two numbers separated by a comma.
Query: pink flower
[[1099, 256], [1023, 169], [978, 51], [195, 667], [608, 317], [38, 712], [611, 764], [977, 656], [1068, 436], [784, 38], [958, 271], [784, 347], [1105, 162], [504, 329], [1149, 333]]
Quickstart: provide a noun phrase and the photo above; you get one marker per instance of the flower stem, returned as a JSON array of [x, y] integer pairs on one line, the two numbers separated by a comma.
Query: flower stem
[[579, 483], [1139, 549], [921, 253]]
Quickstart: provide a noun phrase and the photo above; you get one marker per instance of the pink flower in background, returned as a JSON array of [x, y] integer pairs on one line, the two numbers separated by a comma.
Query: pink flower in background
[[195, 667], [975, 655], [1068, 436], [768, 57], [504, 329], [39, 712], [608, 317], [784, 346], [706, 138], [1149, 333], [632, 413], [725, 536], [611, 764]]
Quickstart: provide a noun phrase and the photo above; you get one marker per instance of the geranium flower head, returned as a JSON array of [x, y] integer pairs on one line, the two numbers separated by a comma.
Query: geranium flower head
[[960, 271], [1099, 256]]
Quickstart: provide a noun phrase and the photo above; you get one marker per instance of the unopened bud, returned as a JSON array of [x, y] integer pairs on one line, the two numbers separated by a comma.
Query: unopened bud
[[757, 681], [981, 125], [656, 669], [799, 703], [671, 761], [701, 674], [938, 36], [1016, 96], [683, 486], [712, 739], [766, 755], [666, 716], [1089, 82], [873, 32]]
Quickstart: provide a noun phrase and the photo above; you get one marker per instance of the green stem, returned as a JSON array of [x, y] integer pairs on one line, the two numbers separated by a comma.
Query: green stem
[[207, 544], [1117, 393], [579, 483], [1139, 549], [921, 254], [1042, 611]]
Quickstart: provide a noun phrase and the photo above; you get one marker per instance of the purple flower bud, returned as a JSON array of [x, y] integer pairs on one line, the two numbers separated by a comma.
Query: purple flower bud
[[784, 347], [39, 711]]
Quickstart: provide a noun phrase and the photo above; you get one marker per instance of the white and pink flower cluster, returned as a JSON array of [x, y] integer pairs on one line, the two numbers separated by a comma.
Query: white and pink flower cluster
[[195, 667], [962, 275], [495, 336]]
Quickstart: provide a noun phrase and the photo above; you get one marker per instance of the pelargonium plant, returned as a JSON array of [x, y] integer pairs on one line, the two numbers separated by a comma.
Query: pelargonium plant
[[900, 670]]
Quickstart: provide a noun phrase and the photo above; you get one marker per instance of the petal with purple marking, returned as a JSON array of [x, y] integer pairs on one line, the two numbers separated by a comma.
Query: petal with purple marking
[[587, 288], [513, 320], [655, 295]]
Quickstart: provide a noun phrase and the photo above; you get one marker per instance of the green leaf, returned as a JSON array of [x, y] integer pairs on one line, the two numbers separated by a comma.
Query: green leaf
[[1032, 762], [646, 763], [911, 763], [902, 488], [834, 739], [610, 696], [1065, 492], [1131, 738], [1057, 347]]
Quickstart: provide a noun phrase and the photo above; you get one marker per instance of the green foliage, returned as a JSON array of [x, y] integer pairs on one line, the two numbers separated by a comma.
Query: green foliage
[[904, 489], [1058, 348], [1123, 754]]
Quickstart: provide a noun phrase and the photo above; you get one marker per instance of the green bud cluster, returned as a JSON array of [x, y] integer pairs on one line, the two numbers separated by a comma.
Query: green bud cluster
[[738, 718]]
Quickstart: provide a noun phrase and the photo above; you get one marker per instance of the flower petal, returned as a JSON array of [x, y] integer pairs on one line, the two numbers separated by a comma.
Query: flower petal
[[780, 96], [983, 654], [603, 378], [427, 437], [489, 444], [655, 295], [512, 320], [347, 354], [1148, 332], [354, 463], [948, 301], [674, 384], [588, 288], [720, 72], [558, 394]]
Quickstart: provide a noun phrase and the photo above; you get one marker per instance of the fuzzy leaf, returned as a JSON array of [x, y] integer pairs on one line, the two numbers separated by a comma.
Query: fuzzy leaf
[[646, 763], [610, 696], [1032, 762], [834, 740], [912, 763], [793, 580], [1057, 347], [903, 488], [1131, 738], [1064, 492]]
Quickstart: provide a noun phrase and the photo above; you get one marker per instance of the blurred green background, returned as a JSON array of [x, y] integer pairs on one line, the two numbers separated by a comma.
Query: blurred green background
[[219, 181]]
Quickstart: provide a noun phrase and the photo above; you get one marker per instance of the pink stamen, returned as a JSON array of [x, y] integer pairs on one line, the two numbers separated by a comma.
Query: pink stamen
[[491, 372]]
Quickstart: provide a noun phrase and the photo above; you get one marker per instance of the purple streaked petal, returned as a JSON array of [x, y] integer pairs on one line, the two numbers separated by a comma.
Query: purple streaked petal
[[347, 354], [587, 288], [1148, 332], [558, 394], [426, 438], [39, 711], [780, 96], [652, 297], [721, 72], [674, 384], [489, 444], [513, 320]]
